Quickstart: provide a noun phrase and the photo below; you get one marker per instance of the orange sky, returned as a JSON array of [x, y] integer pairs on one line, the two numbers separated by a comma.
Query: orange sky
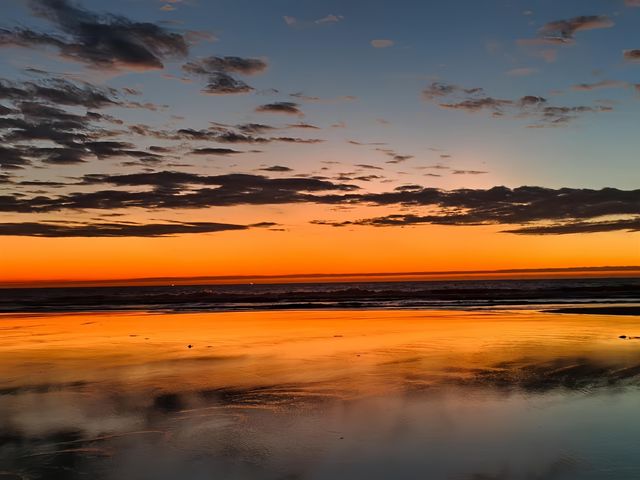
[[308, 249]]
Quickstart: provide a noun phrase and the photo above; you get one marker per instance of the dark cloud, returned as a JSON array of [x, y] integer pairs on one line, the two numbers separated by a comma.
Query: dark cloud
[[221, 134], [460, 98], [303, 125], [400, 220], [6, 110], [365, 165], [243, 182], [562, 115], [214, 151], [159, 149], [276, 168], [440, 89], [224, 84], [354, 142], [536, 108], [531, 100], [537, 210], [36, 118], [395, 156], [296, 140], [562, 32], [173, 190], [254, 128], [476, 104], [632, 55], [566, 29], [468, 172], [44, 229], [631, 225], [367, 178], [287, 108], [218, 70], [12, 158], [60, 92], [527, 206], [211, 65], [101, 41]]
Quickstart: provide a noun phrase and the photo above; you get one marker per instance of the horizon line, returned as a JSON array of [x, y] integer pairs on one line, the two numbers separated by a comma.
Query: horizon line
[[618, 271]]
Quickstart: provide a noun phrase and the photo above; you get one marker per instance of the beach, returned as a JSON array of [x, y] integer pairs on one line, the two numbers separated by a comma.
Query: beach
[[476, 394]]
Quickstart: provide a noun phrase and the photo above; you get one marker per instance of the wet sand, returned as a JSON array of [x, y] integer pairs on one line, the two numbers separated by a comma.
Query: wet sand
[[320, 395]]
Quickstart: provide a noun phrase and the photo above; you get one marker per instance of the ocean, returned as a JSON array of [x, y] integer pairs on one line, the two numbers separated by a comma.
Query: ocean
[[353, 295]]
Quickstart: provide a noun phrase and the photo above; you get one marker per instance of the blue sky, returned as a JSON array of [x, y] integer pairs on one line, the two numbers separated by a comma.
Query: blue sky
[[472, 44]]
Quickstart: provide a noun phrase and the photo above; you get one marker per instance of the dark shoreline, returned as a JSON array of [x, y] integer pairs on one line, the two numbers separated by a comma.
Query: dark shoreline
[[629, 310]]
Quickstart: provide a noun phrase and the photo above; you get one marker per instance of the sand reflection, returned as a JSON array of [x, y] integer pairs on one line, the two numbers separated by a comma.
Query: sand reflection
[[316, 394]]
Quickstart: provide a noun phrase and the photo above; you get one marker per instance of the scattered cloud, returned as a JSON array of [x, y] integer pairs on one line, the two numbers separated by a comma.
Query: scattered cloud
[[366, 165], [326, 20], [218, 70], [600, 85], [213, 64], [78, 229], [286, 108], [99, 40], [306, 126], [36, 129], [629, 225], [561, 33], [495, 105], [569, 210], [395, 156], [214, 151], [468, 172], [224, 84], [566, 29], [632, 55], [276, 168], [354, 142], [531, 107], [440, 89], [535, 210]]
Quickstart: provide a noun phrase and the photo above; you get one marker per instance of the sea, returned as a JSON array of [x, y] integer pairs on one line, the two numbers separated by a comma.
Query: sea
[[532, 293]]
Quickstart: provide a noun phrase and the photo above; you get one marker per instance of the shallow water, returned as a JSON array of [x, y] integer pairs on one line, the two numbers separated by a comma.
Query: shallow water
[[320, 395]]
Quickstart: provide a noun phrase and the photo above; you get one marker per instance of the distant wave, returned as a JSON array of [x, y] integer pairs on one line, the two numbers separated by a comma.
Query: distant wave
[[360, 295]]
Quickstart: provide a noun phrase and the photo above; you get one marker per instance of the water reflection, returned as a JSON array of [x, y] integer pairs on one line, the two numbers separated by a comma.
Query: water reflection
[[319, 395]]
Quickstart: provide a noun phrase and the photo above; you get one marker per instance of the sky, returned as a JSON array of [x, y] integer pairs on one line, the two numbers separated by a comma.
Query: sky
[[147, 138]]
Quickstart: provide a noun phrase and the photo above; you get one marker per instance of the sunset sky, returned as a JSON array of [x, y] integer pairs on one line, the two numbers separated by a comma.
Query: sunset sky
[[146, 138]]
